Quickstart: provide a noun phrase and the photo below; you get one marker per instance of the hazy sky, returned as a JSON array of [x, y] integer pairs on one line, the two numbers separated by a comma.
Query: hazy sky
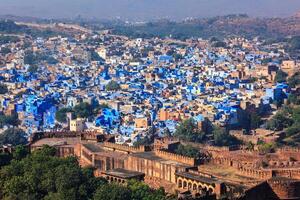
[[147, 9]]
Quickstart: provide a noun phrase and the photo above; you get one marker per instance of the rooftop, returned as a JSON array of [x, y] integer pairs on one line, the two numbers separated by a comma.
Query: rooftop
[[56, 142], [151, 156], [123, 173]]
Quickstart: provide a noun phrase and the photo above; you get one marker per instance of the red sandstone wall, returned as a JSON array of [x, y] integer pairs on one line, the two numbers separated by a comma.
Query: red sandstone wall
[[285, 189]]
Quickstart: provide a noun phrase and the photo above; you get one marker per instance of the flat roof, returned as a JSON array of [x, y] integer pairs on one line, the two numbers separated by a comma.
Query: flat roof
[[92, 147], [225, 173], [56, 142], [97, 149], [150, 155], [123, 173]]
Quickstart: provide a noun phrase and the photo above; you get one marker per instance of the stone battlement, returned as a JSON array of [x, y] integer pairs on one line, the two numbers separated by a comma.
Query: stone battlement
[[210, 148], [289, 149], [257, 173], [124, 148], [84, 135], [284, 164], [264, 174], [53, 134], [285, 188], [175, 157]]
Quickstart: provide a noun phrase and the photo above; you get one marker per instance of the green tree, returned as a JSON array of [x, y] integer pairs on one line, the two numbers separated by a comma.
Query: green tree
[[250, 146], [43, 175], [20, 152], [9, 120], [265, 148], [5, 159], [83, 110], [293, 130], [294, 80], [255, 120], [188, 150], [141, 191], [296, 115], [112, 86], [112, 192], [3, 88], [295, 43], [188, 130], [244, 119], [147, 140], [223, 138], [294, 99], [5, 50], [95, 56], [219, 44], [279, 121], [29, 58], [61, 114], [33, 69], [13, 136], [8, 39], [51, 60], [280, 76]]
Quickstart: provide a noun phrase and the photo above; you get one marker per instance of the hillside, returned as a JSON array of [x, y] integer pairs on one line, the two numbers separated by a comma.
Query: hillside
[[240, 25]]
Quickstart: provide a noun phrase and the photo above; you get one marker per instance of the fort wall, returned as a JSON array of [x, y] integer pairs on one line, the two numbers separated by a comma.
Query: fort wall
[[153, 168], [124, 148], [263, 174], [175, 157], [285, 189]]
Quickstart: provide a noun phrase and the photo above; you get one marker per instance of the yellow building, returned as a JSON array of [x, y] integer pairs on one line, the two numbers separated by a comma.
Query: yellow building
[[77, 125]]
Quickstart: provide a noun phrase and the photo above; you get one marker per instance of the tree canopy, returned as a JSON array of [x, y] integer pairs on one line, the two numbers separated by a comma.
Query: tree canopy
[[188, 150], [9, 120], [112, 86], [95, 57], [295, 43], [8, 39], [83, 110], [42, 175], [287, 120], [294, 80], [249, 120], [223, 138], [113, 192], [280, 76], [13, 136], [3, 88], [61, 114], [279, 121], [33, 69], [188, 130]]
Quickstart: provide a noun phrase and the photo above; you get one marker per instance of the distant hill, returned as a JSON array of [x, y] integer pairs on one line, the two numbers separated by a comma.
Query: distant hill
[[240, 25], [297, 14], [222, 26], [11, 27], [8, 26]]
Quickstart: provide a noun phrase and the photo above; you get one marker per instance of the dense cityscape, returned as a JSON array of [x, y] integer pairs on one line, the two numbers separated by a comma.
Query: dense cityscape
[[95, 114]]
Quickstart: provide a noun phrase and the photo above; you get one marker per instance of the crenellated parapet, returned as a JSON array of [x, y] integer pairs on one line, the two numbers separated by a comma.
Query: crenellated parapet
[[176, 157], [285, 188], [289, 150], [284, 164], [255, 173], [124, 148], [83, 135]]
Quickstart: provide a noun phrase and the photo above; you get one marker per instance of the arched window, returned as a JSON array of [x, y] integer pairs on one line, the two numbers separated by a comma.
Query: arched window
[[184, 184]]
